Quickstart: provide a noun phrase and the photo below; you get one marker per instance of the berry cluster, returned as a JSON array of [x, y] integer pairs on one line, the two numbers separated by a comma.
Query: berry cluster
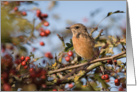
[[25, 61], [22, 12], [42, 17], [105, 77], [69, 54]]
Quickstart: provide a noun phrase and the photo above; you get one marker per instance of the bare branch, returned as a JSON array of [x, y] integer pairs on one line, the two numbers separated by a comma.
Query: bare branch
[[86, 63]]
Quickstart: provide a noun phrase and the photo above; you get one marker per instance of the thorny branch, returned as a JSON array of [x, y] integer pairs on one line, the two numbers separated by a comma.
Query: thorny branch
[[86, 63]]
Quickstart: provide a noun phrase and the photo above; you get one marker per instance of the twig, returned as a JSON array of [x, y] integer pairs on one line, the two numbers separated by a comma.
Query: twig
[[91, 62], [62, 39], [78, 76], [99, 34]]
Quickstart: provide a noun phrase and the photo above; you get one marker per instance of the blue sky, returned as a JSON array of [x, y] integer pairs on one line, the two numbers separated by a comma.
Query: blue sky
[[77, 10]]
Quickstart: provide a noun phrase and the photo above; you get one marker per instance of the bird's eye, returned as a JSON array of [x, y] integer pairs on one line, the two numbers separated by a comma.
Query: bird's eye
[[77, 27]]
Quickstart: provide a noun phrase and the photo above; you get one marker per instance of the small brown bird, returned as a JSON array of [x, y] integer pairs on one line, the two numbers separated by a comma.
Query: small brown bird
[[83, 43]]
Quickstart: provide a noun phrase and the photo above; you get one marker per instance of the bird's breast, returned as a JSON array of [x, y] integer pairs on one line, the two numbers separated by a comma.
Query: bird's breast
[[83, 46]]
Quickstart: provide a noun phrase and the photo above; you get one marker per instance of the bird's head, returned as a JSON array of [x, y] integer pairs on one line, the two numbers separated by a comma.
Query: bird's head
[[77, 28]]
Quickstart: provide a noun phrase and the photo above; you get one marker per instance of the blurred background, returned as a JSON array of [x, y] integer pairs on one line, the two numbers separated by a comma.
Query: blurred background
[[22, 30]]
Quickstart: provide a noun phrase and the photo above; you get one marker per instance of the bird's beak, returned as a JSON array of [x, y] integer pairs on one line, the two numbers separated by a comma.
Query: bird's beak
[[67, 27]]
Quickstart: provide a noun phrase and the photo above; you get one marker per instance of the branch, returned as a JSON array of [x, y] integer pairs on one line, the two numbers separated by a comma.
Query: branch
[[86, 63], [99, 34], [76, 77]]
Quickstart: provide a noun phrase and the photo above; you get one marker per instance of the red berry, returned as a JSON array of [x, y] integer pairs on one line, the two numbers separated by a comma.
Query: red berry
[[120, 89], [22, 58], [48, 55], [117, 81], [15, 8], [54, 90], [61, 90], [43, 77], [107, 80], [44, 15], [42, 43], [70, 53], [23, 63], [106, 76], [109, 61], [38, 13], [46, 23], [67, 58], [6, 3], [25, 67], [6, 87], [115, 61], [27, 58], [70, 85], [47, 32], [31, 69], [44, 86], [42, 33], [117, 84], [103, 77], [24, 13]]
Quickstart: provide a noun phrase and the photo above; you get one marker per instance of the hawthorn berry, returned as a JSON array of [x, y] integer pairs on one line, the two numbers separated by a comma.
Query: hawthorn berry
[[6, 87], [25, 67], [24, 13], [43, 77], [117, 81], [15, 8], [117, 84], [67, 58], [48, 55], [70, 85], [106, 76], [38, 13], [103, 77], [107, 80], [54, 90], [42, 43], [23, 63], [115, 61], [42, 33], [70, 53], [46, 23], [44, 85], [120, 89], [6, 3], [47, 32], [109, 61], [22, 58], [27, 58], [31, 69], [44, 15], [61, 89]]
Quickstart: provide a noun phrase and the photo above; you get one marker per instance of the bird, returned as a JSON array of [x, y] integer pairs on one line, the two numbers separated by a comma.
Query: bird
[[83, 43]]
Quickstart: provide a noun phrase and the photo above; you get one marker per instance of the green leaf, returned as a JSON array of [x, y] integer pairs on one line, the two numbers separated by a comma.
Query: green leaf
[[69, 46]]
